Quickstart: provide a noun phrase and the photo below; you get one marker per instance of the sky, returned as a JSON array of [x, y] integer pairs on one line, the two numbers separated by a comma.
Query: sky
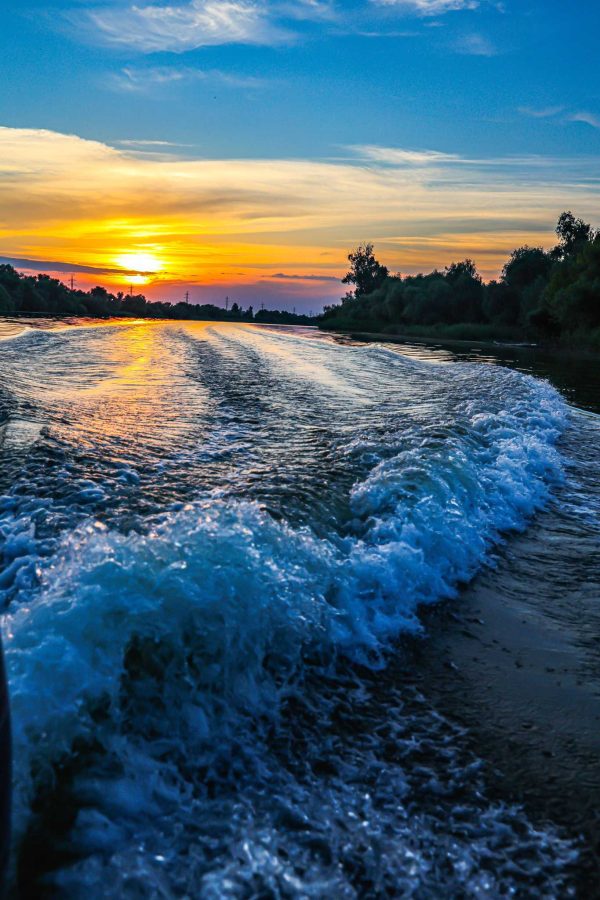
[[242, 148]]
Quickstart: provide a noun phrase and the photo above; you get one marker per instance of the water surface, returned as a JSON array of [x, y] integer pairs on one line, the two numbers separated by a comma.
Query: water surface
[[212, 538]]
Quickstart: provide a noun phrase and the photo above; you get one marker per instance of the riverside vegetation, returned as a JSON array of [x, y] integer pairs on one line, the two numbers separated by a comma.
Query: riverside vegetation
[[40, 294], [551, 297]]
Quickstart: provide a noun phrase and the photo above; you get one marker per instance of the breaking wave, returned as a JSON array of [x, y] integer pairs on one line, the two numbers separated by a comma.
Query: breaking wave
[[183, 680]]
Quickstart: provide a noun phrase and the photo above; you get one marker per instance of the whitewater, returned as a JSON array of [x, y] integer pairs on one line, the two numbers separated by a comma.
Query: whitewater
[[214, 540]]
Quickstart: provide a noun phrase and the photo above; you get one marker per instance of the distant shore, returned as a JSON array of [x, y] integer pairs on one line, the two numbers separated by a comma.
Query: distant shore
[[439, 339]]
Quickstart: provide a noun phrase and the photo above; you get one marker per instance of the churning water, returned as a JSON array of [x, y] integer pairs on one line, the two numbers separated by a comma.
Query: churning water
[[212, 538]]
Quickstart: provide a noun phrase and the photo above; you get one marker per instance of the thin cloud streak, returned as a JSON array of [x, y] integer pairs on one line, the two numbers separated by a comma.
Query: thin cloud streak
[[586, 118], [559, 114], [429, 7], [282, 276], [53, 265], [145, 80]]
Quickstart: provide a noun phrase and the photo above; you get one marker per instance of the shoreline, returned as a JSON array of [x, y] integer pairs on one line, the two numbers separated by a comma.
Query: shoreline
[[565, 352]]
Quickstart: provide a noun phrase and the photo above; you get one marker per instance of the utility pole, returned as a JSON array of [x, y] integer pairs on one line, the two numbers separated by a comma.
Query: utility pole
[[187, 296], [72, 282]]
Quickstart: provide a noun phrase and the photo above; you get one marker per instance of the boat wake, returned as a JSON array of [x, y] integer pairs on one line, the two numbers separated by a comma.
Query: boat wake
[[209, 686]]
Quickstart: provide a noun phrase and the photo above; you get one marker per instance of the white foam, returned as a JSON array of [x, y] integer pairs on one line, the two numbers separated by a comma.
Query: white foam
[[223, 581]]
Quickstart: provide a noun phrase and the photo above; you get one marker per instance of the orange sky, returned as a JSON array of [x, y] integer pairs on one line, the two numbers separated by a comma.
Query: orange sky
[[256, 228]]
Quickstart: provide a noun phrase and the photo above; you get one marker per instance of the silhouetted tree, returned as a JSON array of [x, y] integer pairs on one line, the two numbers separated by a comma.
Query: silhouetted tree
[[7, 304], [366, 274], [551, 296], [573, 234]]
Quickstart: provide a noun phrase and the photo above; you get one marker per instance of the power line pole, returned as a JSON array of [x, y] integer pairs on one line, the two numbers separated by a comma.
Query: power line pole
[[72, 282], [187, 296]]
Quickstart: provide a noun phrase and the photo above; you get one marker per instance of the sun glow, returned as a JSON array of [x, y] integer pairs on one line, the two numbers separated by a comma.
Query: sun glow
[[141, 263], [276, 230]]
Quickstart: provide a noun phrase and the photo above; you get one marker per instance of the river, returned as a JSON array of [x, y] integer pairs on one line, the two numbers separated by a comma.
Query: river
[[214, 539]]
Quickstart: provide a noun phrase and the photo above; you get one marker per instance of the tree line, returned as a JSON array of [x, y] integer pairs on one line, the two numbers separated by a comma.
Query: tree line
[[21, 294], [550, 297]]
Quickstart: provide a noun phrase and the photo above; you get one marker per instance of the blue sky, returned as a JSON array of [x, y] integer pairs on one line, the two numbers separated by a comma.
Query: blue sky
[[309, 80]]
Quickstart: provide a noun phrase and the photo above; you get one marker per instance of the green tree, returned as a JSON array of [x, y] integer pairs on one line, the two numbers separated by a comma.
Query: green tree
[[366, 273]]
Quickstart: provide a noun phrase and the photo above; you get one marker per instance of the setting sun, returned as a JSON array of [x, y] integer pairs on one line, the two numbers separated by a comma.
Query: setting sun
[[142, 263]]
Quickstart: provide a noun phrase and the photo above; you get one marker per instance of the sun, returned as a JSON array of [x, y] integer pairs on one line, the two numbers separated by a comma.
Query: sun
[[141, 263]]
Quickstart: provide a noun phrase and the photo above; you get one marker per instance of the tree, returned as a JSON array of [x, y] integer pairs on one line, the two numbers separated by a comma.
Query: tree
[[366, 273], [464, 269], [7, 304], [573, 295], [525, 266], [573, 234], [467, 292], [30, 300]]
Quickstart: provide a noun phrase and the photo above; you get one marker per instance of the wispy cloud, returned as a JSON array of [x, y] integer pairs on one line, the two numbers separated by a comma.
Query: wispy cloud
[[312, 10], [282, 276], [150, 143], [429, 7], [587, 118], [142, 80], [177, 28], [398, 157], [475, 45], [56, 267], [561, 115], [545, 112]]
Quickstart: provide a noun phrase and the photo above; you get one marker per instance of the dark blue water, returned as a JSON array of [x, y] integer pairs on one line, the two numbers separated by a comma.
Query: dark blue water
[[212, 538]]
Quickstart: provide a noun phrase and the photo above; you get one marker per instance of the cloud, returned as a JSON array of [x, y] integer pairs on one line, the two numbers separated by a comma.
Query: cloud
[[69, 199], [559, 114], [475, 45], [398, 157], [282, 276], [55, 266], [586, 118], [546, 112], [429, 7], [145, 79], [132, 143], [311, 10], [177, 28]]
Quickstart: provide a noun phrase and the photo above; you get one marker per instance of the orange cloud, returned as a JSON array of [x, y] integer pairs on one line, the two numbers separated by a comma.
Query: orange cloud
[[183, 222]]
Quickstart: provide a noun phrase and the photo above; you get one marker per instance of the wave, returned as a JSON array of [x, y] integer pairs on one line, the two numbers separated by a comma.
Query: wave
[[213, 617]]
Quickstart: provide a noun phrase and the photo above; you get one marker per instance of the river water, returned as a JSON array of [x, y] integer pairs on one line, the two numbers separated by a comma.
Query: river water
[[213, 538]]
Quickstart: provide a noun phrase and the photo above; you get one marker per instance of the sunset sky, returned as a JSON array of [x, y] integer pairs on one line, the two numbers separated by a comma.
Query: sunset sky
[[242, 148]]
